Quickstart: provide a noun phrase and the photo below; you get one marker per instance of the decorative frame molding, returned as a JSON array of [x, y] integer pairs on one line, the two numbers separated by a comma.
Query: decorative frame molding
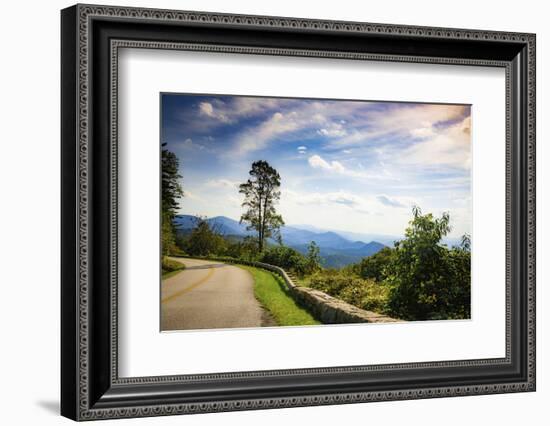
[[91, 38]]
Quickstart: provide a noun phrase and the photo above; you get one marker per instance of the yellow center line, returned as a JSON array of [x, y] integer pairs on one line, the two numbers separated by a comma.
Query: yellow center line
[[191, 287]]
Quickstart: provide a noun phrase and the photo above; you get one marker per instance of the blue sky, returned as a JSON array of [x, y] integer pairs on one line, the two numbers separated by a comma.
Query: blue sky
[[345, 165]]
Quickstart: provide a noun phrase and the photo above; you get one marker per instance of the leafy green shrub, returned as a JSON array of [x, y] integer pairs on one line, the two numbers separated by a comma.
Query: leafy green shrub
[[428, 280], [375, 265], [330, 281], [363, 293], [246, 249], [286, 258], [204, 241]]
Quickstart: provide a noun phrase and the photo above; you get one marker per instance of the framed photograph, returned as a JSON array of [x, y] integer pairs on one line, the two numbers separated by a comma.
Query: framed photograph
[[264, 212]]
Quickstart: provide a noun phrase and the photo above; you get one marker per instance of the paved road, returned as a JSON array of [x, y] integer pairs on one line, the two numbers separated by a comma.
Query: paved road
[[209, 294]]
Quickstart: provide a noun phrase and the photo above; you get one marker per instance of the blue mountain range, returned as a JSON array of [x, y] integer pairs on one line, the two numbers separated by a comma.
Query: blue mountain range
[[335, 249]]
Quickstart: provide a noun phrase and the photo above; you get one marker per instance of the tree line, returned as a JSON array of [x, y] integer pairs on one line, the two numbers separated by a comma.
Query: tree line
[[171, 193]]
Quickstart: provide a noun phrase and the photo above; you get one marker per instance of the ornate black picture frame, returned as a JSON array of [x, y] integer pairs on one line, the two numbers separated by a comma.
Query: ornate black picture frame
[[91, 36]]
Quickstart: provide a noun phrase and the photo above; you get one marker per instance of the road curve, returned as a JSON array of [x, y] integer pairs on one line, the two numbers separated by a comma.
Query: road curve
[[209, 294]]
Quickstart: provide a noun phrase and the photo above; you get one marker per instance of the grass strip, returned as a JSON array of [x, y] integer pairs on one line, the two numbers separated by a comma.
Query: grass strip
[[169, 274], [271, 292], [171, 267]]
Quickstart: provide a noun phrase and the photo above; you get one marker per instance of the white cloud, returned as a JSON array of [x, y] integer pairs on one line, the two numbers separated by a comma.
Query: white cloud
[[234, 201], [390, 201], [335, 199], [246, 107], [450, 146], [359, 203], [231, 110], [189, 144], [257, 138], [191, 195], [416, 120], [333, 130], [222, 183], [317, 162], [422, 132], [423, 116], [462, 201], [363, 121], [288, 118], [206, 108]]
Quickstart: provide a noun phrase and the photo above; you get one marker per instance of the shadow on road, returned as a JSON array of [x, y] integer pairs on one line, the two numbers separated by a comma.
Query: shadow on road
[[212, 265]]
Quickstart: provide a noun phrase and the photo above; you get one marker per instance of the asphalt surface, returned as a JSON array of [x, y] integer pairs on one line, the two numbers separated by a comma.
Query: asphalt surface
[[209, 294]]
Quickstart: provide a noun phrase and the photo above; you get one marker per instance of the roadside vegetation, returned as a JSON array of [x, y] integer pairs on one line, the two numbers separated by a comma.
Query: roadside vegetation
[[364, 293], [419, 278], [171, 267], [271, 292], [172, 191]]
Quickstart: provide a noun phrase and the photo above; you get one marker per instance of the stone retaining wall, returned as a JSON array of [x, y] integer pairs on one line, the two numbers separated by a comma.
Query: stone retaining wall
[[330, 310]]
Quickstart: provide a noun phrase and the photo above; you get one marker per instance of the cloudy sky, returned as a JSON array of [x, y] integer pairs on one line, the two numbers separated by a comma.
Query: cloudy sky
[[345, 165]]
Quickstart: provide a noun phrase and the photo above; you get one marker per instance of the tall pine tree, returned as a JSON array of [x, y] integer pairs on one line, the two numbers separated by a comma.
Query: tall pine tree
[[171, 192]]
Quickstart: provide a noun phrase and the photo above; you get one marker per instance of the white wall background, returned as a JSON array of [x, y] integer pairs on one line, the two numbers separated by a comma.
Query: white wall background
[[29, 212]]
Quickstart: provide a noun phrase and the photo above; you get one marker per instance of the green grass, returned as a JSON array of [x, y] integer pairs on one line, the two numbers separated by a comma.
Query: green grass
[[170, 273], [171, 267], [271, 292]]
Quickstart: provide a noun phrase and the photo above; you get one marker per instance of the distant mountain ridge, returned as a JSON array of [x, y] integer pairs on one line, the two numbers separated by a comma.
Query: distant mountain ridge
[[335, 249]]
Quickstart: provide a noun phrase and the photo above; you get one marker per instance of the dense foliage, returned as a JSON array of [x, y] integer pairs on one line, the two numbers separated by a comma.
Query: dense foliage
[[171, 192], [286, 258], [168, 236], [292, 260], [363, 293], [204, 241], [428, 280], [246, 249], [374, 266]]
